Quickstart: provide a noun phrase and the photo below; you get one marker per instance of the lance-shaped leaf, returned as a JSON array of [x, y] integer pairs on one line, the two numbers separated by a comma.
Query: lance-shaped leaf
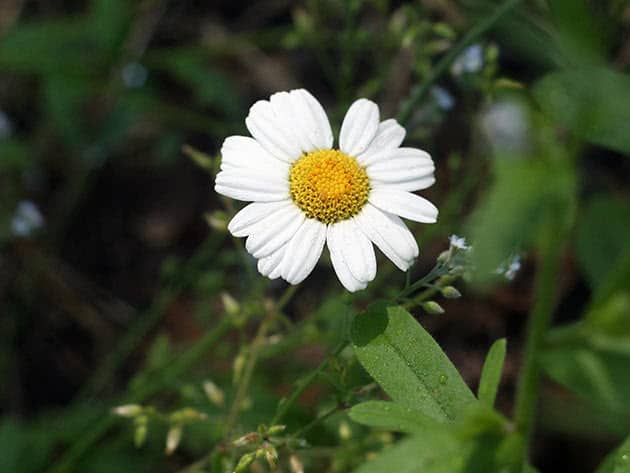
[[491, 373], [407, 363], [391, 416]]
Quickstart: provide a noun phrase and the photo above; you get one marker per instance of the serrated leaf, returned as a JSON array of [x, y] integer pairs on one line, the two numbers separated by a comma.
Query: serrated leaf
[[391, 416], [407, 362], [491, 373], [594, 103]]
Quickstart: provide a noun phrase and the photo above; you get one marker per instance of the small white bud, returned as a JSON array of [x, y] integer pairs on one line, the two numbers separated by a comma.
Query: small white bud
[[344, 431], [127, 410], [214, 393], [231, 305], [173, 438], [247, 439]]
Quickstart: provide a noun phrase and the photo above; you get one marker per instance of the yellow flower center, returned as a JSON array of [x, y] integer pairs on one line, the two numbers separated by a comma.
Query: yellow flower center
[[328, 185]]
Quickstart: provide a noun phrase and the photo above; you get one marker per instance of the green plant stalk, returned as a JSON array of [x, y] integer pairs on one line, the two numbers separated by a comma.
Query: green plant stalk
[[442, 66], [73, 455], [539, 321], [284, 407]]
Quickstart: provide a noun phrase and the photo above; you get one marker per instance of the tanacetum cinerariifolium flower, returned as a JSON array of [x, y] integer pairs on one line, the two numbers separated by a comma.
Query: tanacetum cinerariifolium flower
[[306, 194]]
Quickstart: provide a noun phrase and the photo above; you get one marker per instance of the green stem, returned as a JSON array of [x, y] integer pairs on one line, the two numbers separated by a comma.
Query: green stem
[[305, 382], [442, 66], [178, 366], [539, 321]]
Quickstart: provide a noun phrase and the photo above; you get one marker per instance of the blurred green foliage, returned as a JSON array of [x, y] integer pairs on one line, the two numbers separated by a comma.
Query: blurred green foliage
[[521, 134]]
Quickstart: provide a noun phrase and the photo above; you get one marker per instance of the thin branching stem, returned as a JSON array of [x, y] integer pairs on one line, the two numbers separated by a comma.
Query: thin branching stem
[[442, 66]]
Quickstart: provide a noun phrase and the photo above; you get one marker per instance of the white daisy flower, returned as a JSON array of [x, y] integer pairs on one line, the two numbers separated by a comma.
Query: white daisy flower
[[306, 194]]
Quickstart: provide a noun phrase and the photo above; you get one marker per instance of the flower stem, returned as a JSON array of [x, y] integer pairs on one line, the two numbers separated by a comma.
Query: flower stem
[[479, 29], [539, 320]]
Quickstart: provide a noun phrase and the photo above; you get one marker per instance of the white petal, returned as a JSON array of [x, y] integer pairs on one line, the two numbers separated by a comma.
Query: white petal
[[246, 152], [340, 266], [274, 231], [243, 222], [305, 117], [404, 204], [303, 251], [272, 131], [401, 162], [411, 185], [359, 127], [390, 234], [252, 185], [389, 137], [355, 248], [269, 266]]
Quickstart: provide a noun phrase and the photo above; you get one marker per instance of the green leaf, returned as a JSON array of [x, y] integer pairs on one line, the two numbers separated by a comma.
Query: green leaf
[[599, 376], [38, 46], [442, 451], [526, 195], [602, 235], [578, 32], [580, 100], [426, 454], [618, 461], [491, 373], [407, 363], [391, 416]]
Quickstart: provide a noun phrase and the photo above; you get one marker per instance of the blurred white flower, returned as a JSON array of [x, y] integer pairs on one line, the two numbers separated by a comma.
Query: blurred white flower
[[469, 61], [458, 242], [442, 98], [307, 194], [505, 125], [510, 267], [134, 75], [26, 219]]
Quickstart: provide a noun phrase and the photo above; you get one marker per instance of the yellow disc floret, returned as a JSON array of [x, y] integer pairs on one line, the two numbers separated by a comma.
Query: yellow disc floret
[[328, 185]]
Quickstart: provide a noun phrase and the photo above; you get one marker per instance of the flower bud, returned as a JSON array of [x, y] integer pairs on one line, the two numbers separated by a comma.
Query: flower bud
[[238, 366], [140, 434], [451, 292], [231, 306], [247, 439], [214, 393], [271, 455], [201, 159], [173, 438], [344, 431], [432, 307], [276, 429], [127, 410], [217, 220], [187, 415], [244, 462]]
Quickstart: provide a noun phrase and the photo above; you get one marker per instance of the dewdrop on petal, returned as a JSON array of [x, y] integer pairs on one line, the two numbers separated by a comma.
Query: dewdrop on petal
[[306, 194]]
